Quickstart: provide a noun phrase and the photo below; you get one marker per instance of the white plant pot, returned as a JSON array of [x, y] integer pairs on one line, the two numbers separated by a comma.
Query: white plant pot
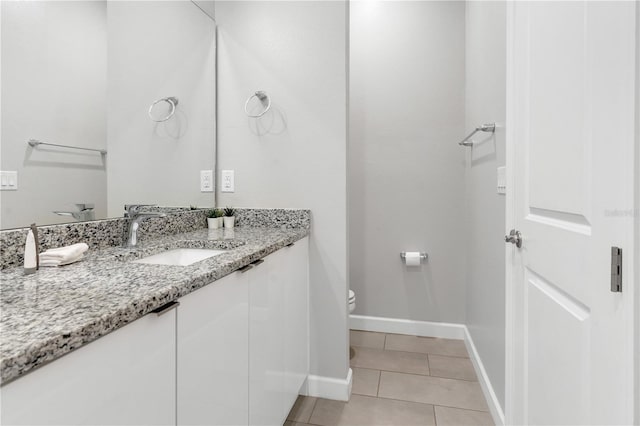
[[229, 221], [213, 222], [220, 221]]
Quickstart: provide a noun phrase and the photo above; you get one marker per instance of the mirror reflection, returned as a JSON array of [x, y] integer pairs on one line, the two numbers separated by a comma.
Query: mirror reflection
[[104, 103]]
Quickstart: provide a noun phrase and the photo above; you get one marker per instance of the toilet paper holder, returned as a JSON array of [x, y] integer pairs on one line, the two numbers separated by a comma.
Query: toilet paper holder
[[423, 256]]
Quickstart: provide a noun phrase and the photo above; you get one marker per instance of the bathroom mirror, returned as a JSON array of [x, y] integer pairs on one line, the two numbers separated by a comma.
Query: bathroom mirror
[[78, 80]]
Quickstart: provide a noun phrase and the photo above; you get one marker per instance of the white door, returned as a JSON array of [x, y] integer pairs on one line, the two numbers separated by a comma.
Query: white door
[[570, 155]]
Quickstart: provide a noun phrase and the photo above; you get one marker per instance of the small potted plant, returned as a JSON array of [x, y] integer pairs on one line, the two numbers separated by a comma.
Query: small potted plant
[[214, 218], [229, 219]]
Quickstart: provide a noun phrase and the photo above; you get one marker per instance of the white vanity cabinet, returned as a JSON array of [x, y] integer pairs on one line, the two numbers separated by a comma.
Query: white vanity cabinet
[[235, 352], [213, 351], [124, 378], [296, 321], [278, 333], [266, 331]]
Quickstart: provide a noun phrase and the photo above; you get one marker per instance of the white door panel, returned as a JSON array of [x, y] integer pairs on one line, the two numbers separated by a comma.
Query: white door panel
[[571, 119]]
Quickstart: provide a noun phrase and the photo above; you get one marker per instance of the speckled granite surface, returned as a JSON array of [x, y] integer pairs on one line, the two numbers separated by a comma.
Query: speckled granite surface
[[97, 234], [287, 218], [112, 232], [57, 310]]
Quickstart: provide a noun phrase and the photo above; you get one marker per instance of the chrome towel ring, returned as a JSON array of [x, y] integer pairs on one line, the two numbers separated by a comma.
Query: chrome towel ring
[[261, 96], [172, 101]]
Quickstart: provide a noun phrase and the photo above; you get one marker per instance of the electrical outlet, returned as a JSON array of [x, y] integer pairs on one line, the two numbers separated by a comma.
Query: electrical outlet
[[228, 181], [206, 180], [8, 181], [502, 180]]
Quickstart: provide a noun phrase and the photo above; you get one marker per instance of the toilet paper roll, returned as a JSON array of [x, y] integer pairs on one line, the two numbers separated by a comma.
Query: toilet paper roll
[[412, 258]]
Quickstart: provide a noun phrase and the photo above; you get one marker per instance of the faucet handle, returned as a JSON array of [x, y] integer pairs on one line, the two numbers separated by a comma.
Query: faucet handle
[[134, 209], [85, 206]]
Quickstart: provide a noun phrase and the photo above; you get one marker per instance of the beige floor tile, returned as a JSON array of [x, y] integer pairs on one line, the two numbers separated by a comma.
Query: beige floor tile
[[301, 410], [432, 390], [366, 339], [366, 410], [426, 345], [447, 416], [379, 359], [365, 381], [451, 367]]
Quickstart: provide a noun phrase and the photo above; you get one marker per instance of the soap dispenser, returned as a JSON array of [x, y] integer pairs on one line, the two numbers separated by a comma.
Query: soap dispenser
[[31, 261]]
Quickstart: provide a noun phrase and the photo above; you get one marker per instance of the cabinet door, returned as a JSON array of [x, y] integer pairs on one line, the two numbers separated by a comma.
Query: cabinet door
[[266, 360], [296, 320], [124, 378], [213, 353]]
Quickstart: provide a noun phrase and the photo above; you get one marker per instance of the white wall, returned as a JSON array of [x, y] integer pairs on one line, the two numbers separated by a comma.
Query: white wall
[[160, 49], [53, 89], [294, 156], [406, 170], [486, 103]]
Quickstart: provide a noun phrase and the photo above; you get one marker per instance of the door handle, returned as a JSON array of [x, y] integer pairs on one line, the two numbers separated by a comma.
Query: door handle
[[514, 237]]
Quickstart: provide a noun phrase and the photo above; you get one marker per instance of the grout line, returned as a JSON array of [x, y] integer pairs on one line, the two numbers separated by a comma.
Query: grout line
[[458, 408], [384, 344], [392, 371], [428, 353], [432, 404], [312, 410], [379, 380], [454, 378], [435, 419]]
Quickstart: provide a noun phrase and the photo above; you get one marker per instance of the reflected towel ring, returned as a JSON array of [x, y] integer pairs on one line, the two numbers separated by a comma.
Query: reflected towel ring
[[172, 101], [261, 96]]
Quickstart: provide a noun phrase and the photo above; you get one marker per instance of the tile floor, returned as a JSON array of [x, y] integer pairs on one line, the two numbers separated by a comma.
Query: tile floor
[[404, 381]]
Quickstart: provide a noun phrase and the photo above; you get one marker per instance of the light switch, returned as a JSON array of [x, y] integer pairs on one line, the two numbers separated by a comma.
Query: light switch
[[206, 180], [8, 181], [502, 180], [228, 181]]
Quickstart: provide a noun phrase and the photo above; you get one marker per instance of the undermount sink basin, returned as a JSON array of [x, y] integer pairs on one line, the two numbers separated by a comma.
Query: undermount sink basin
[[179, 257]]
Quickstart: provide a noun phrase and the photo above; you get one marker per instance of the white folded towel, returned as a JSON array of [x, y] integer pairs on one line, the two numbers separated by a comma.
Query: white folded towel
[[46, 263], [63, 255]]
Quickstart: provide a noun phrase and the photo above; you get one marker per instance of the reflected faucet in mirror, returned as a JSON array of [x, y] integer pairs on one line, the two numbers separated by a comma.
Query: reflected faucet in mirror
[[85, 212], [135, 215]]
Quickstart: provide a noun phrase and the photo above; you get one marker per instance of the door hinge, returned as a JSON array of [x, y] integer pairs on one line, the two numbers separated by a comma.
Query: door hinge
[[616, 269]]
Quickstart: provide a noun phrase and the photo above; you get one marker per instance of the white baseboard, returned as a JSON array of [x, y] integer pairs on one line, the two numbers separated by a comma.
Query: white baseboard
[[436, 329], [410, 327], [329, 387], [489, 394]]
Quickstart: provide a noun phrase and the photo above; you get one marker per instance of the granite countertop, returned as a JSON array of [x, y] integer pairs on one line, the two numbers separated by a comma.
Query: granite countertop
[[48, 314]]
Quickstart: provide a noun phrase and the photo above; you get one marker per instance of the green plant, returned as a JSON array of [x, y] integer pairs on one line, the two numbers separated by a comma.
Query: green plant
[[214, 213], [229, 211]]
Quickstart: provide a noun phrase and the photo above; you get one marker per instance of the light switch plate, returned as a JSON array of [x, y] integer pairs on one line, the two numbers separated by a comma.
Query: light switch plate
[[206, 180], [228, 181], [8, 181], [502, 180]]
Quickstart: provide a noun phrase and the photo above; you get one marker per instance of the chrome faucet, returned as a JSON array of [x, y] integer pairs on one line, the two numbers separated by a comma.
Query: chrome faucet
[[85, 212], [135, 215]]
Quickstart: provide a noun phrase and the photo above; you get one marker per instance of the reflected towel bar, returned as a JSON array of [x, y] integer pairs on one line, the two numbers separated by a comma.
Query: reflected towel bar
[[34, 143], [490, 128]]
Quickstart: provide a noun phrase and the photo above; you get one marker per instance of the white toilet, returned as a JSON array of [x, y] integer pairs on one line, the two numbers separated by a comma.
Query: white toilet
[[352, 301]]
